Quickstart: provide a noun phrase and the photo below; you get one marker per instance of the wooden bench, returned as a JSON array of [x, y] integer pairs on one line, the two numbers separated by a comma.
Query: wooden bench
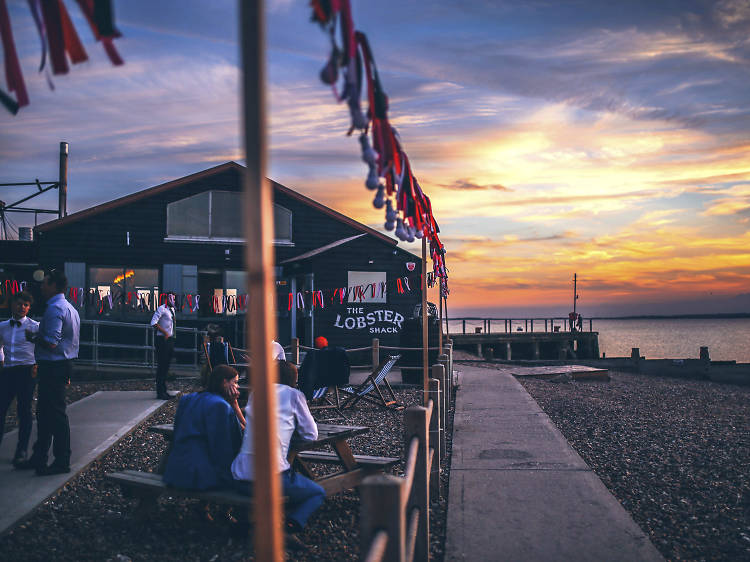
[[365, 461], [148, 486]]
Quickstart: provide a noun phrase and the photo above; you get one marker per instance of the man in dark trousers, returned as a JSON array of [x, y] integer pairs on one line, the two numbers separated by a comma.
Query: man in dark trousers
[[56, 347], [166, 334], [18, 370]]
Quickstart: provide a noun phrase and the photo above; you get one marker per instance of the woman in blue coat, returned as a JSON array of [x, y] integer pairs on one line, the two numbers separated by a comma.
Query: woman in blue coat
[[207, 435]]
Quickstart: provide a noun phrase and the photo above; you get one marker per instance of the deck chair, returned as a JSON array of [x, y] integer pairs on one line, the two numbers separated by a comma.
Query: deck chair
[[327, 398], [370, 391]]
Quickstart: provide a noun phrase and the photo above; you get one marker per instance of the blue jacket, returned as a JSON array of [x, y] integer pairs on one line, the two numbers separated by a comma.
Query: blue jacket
[[207, 437]]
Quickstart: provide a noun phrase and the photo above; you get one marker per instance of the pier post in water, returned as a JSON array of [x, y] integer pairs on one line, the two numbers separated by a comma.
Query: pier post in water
[[536, 350]]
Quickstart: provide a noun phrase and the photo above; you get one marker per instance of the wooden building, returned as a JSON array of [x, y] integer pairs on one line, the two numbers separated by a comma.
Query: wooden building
[[186, 236]]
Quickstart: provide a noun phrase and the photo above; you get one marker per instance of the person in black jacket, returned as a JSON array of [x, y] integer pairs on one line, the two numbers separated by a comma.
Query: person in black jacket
[[324, 366]]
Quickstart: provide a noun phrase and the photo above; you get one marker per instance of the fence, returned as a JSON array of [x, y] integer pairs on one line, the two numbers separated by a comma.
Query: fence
[[123, 344], [509, 325], [395, 511]]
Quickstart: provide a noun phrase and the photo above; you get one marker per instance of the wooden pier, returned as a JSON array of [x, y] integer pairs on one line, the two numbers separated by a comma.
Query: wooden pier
[[529, 345]]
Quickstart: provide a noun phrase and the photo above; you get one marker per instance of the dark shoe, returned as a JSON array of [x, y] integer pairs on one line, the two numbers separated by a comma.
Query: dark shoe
[[53, 469], [19, 459], [29, 465], [163, 396]]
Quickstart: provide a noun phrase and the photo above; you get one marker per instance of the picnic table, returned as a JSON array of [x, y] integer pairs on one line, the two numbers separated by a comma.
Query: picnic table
[[302, 454]]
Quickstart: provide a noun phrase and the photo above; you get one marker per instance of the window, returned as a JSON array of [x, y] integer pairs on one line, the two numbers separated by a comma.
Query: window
[[217, 215], [134, 292], [282, 225], [365, 279]]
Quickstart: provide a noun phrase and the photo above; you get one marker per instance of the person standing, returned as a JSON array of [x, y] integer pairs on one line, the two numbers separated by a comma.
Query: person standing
[[56, 347], [164, 322], [18, 370]]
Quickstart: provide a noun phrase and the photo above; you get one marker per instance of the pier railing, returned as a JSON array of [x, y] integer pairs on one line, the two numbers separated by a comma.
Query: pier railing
[[483, 325]]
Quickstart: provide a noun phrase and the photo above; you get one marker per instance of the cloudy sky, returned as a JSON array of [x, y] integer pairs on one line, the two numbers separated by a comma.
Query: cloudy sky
[[607, 139]]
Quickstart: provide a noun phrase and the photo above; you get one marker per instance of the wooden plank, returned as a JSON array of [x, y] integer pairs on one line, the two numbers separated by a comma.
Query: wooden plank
[[342, 481], [361, 460]]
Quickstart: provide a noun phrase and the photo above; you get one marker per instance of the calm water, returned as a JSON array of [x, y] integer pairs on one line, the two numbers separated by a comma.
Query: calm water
[[727, 339]]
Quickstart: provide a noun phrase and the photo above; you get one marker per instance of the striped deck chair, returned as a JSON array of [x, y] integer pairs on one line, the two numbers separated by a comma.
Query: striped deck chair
[[370, 391], [322, 401]]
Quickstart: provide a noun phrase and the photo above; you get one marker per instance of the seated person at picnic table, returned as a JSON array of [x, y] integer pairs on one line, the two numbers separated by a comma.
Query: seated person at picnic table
[[207, 435], [294, 420]]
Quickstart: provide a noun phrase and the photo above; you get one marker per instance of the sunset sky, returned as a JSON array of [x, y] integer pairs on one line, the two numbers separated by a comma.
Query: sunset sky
[[607, 139]]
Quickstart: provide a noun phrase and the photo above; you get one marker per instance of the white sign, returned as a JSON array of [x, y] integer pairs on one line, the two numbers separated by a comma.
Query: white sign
[[380, 321]]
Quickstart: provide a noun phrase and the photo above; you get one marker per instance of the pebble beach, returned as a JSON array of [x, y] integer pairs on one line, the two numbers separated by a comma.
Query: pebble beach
[[675, 453], [90, 520]]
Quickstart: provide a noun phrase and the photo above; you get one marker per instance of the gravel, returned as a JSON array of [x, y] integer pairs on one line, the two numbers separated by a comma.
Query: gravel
[[90, 520], [675, 453]]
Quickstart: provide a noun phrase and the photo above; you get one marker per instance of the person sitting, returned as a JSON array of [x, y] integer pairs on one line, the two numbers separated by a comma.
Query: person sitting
[[324, 366], [294, 420], [207, 435]]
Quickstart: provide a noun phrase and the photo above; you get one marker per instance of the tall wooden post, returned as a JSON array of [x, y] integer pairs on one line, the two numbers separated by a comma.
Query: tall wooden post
[[259, 261], [440, 332], [62, 190], [425, 332]]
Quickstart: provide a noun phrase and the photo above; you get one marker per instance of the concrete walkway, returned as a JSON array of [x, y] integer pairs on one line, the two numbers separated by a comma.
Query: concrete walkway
[[518, 490], [96, 423]]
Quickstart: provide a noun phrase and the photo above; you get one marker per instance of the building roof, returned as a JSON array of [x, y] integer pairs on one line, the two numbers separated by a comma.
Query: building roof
[[318, 251], [145, 193]]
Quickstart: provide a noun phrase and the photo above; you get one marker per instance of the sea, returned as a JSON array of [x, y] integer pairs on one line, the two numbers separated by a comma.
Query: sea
[[727, 339]]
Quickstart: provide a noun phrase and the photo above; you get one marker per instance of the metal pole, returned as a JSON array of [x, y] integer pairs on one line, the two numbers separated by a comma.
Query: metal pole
[[259, 260], [575, 293], [425, 334], [62, 190]]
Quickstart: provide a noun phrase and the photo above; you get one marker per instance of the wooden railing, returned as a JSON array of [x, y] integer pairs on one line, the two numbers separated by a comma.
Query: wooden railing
[[395, 511], [446, 358], [511, 325]]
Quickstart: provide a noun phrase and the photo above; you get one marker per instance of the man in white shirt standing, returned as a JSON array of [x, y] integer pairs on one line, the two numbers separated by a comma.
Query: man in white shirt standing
[[18, 370], [293, 416], [164, 322]]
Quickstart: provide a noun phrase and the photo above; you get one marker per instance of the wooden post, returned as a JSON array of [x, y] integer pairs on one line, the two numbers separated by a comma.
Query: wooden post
[[590, 328], [448, 385], [62, 189], [375, 353], [415, 423], [295, 351], [532, 324], [425, 332], [440, 331], [463, 324], [259, 261], [545, 324], [438, 373], [435, 439], [381, 508]]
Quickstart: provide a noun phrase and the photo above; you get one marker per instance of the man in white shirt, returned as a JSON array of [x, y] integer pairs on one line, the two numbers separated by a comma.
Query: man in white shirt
[[293, 416], [163, 321], [18, 370], [277, 351]]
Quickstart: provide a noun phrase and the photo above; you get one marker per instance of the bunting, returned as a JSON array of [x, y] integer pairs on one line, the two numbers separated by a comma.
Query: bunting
[[59, 42], [408, 210]]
